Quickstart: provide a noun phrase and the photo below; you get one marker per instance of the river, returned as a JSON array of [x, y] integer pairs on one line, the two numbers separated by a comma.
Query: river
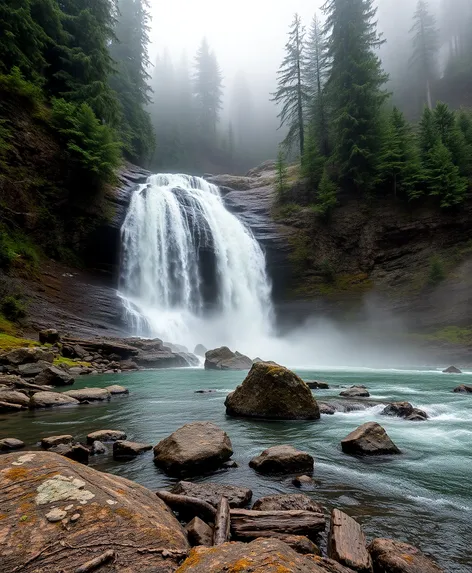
[[422, 497]]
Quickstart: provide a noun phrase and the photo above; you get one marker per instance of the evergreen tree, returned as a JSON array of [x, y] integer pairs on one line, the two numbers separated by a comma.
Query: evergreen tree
[[326, 197], [355, 90], [450, 134], [313, 161], [443, 177], [208, 89], [425, 50], [292, 93], [315, 73], [428, 133], [282, 176], [399, 160], [129, 50]]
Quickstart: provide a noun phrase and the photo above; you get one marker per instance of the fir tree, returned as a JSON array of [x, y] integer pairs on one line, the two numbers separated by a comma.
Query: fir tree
[[282, 176], [399, 160], [129, 50], [450, 134], [208, 89], [425, 49], [292, 93], [428, 133], [326, 197], [355, 90], [443, 177]]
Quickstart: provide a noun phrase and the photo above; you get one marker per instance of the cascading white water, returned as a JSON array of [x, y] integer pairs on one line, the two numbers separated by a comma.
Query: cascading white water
[[191, 272]]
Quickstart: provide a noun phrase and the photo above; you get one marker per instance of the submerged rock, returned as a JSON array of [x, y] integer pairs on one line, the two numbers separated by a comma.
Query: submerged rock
[[224, 359], [89, 394], [50, 399], [75, 452], [287, 502], [452, 370], [397, 557], [6, 407], [304, 482], [52, 441], [193, 449], [117, 390], [106, 436], [317, 385], [98, 448], [213, 492], [463, 389], [272, 392], [326, 409], [7, 444], [355, 392], [370, 439], [405, 410], [126, 449], [282, 460], [110, 508]]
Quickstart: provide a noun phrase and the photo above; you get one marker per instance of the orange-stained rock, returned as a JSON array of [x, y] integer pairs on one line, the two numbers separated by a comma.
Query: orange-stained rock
[[102, 512], [397, 557], [259, 556]]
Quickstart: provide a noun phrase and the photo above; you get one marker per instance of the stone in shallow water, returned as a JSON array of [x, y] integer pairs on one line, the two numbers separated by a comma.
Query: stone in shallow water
[[11, 444], [397, 557], [126, 449], [287, 502], [52, 441], [225, 359], [304, 482], [193, 449], [463, 389], [50, 399], [452, 370], [89, 394], [282, 460], [370, 439], [114, 389], [106, 436], [355, 392]]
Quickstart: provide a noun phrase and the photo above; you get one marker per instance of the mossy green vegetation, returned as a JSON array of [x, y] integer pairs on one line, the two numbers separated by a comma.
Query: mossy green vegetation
[[70, 363], [10, 342]]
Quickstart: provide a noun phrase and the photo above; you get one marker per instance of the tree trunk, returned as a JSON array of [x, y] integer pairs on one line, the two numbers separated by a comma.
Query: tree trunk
[[428, 94], [294, 522], [222, 523], [187, 503]]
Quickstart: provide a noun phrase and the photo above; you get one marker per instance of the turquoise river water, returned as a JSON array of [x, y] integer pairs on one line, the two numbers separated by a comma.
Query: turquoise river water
[[423, 497]]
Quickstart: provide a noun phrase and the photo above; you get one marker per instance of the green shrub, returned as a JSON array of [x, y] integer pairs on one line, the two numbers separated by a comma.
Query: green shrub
[[437, 272], [16, 247], [92, 144], [328, 272], [13, 308], [15, 84]]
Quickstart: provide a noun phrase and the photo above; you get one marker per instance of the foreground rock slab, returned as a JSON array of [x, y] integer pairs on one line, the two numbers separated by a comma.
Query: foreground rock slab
[[282, 460], [288, 502], [347, 543], [397, 557], [213, 492], [370, 439], [193, 449], [50, 399], [259, 556], [103, 503], [272, 392], [225, 359]]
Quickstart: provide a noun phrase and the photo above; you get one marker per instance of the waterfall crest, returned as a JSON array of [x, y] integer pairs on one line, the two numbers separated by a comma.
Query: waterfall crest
[[191, 272]]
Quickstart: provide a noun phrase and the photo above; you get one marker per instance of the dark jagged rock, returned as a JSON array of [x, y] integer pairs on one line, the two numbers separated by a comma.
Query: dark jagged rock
[[213, 492], [317, 385], [32, 369], [108, 508], [396, 557], [225, 359], [199, 533], [463, 389], [193, 449], [370, 439], [21, 356], [282, 460], [49, 336], [53, 376], [452, 370], [326, 409], [272, 392], [288, 502], [75, 452], [405, 410], [98, 448]]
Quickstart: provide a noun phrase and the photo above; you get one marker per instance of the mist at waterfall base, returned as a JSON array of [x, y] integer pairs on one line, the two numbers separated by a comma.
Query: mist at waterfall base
[[192, 273]]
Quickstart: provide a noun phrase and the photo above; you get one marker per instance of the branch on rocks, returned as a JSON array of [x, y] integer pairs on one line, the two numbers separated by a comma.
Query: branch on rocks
[[96, 563], [222, 523], [186, 503]]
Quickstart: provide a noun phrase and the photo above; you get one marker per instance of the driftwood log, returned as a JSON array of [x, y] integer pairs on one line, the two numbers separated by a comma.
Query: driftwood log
[[347, 543], [295, 522], [33, 387], [222, 523], [94, 564], [188, 504]]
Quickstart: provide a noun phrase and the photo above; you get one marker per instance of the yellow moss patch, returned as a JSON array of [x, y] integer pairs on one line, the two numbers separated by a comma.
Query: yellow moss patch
[[240, 565], [70, 363], [9, 342], [407, 558], [14, 474]]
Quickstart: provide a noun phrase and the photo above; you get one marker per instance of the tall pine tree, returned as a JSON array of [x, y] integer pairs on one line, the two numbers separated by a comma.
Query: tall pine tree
[[208, 89], [355, 87], [292, 92]]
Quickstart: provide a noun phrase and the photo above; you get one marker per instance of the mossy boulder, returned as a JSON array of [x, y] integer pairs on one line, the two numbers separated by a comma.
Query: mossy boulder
[[272, 392], [97, 512]]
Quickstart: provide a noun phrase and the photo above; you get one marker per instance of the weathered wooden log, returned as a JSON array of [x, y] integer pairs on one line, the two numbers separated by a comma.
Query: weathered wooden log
[[222, 523], [30, 386], [294, 522], [188, 504], [347, 543], [97, 562]]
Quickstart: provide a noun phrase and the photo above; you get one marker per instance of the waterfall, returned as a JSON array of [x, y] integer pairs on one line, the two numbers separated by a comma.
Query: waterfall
[[191, 272]]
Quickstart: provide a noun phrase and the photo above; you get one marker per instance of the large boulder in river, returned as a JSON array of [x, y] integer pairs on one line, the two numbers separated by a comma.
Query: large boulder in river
[[54, 376], [355, 392], [282, 460], [213, 492], [370, 439], [259, 556], [89, 394], [99, 512], [193, 449], [224, 359], [272, 392], [398, 557], [404, 410]]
